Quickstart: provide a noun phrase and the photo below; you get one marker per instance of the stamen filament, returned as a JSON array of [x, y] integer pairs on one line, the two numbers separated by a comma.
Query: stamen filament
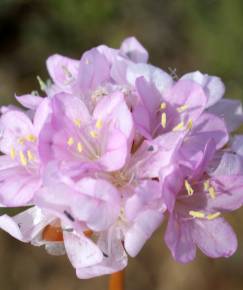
[[212, 192], [31, 138], [12, 153], [188, 187], [30, 155], [70, 141], [178, 127], [163, 120], [190, 124], [213, 216], [206, 185], [182, 108], [23, 159], [79, 147], [93, 134], [99, 124], [197, 214], [77, 123]]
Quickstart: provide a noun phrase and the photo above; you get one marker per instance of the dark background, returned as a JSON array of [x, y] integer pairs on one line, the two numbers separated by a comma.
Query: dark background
[[205, 35]]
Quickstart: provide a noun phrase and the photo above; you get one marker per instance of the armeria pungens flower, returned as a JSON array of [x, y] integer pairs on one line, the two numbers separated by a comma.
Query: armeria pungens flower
[[113, 146]]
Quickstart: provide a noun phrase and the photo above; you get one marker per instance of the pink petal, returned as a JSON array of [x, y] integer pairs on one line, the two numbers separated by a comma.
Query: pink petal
[[100, 203], [134, 50], [113, 108], [81, 251], [158, 77], [15, 125], [209, 126], [141, 230], [26, 225], [188, 93], [114, 154], [215, 238], [212, 85], [230, 111], [178, 238], [114, 260], [94, 69], [29, 101], [63, 70]]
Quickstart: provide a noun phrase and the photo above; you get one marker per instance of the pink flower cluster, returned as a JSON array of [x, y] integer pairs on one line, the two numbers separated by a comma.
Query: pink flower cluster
[[115, 145]]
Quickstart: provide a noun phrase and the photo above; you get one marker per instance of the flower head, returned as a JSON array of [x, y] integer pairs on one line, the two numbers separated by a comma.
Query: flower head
[[115, 145]]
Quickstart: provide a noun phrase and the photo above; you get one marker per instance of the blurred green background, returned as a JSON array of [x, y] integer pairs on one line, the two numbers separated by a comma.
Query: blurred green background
[[205, 35]]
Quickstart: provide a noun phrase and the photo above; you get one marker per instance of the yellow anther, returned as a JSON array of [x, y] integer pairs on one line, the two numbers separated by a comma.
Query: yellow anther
[[87, 61], [77, 122], [31, 138], [93, 134], [163, 120], [197, 214], [178, 127], [12, 153], [79, 147], [70, 141], [23, 159], [189, 124], [182, 108], [30, 155], [188, 187], [163, 106], [213, 216], [212, 192], [99, 124], [21, 140], [206, 185]]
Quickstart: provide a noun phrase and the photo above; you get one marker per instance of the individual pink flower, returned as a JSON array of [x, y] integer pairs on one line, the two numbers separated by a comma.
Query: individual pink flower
[[196, 201], [81, 140], [20, 172]]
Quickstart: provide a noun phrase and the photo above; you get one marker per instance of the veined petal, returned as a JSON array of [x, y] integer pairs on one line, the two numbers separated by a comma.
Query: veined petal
[[237, 144], [142, 229], [229, 193], [212, 85], [215, 238], [171, 179], [15, 125], [41, 115], [26, 225], [146, 194], [63, 70], [100, 203], [19, 189], [29, 101], [115, 151], [230, 164], [179, 240], [114, 260], [113, 109], [81, 251], [94, 69], [158, 77], [134, 50], [208, 127], [230, 111], [189, 94]]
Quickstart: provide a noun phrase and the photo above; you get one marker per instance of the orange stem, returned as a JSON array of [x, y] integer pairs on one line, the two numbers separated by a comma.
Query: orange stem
[[117, 281]]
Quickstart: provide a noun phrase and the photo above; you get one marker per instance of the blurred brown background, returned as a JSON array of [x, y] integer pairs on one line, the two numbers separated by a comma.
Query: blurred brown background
[[187, 35]]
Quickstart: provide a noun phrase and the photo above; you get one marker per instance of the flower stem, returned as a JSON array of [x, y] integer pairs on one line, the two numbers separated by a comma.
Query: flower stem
[[117, 281]]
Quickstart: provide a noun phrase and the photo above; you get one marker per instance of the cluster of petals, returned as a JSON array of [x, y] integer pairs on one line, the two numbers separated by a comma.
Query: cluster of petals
[[113, 147]]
